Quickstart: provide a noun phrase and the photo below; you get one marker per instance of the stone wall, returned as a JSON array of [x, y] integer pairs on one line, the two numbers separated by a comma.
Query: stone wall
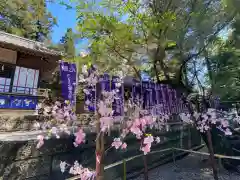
[[19, 159]]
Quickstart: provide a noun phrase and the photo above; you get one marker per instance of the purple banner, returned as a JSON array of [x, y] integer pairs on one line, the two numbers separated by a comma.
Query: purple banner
[[68, 81], [105, 82], [147, 95], [136, 92], [90, 99], [90, 94], [117, 105]]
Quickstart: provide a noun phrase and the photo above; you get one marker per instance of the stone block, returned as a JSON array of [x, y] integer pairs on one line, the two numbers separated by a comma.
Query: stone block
[[20, 170]]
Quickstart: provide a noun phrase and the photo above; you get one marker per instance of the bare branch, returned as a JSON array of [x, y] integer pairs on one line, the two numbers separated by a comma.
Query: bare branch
[[129, 62], [209, 40]]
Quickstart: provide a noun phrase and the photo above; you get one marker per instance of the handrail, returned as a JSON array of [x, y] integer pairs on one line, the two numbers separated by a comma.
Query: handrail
[[122, 161], [134, 157], [163, 150], [131, 158], [31, 91], [207, 154]]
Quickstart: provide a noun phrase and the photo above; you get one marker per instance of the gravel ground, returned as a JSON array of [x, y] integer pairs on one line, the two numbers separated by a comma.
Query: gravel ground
[[190, 168]]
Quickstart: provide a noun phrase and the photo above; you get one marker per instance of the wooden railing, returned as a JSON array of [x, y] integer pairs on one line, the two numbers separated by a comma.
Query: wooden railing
[[43, 92], [23, 91]]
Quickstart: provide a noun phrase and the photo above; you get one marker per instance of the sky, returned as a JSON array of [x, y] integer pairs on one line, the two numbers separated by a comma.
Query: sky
[[66, 18]]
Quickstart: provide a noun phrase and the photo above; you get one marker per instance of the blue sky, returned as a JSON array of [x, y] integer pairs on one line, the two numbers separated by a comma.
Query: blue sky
[[66, 18]]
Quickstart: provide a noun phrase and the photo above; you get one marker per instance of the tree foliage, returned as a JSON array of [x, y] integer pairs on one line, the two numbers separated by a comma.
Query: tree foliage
[[68, 44], [225, 65], [157, 37], [30, 20]]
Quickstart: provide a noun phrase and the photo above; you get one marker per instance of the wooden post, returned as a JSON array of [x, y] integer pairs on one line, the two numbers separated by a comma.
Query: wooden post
[[189, 138], [124, 170], [173, 156], [181, 136]]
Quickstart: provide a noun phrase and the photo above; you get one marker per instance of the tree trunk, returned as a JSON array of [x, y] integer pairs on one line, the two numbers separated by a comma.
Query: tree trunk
[[209, 140], [145, 167], [99, 153], [211, 152]]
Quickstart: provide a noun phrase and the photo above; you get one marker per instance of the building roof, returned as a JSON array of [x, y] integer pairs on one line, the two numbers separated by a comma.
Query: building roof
[[14, 40]]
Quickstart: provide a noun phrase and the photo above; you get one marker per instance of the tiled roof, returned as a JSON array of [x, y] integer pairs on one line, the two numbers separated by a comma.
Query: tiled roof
[[6, 38]]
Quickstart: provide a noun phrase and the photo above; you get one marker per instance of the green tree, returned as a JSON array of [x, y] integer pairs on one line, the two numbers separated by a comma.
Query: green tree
[[30, 20], [225, 65], [68, 43], [165, 35]]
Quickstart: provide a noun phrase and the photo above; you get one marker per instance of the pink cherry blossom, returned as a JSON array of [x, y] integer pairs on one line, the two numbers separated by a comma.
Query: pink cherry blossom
[[85, 173], [63, 165], [55, 108], [87, 102], [106, 123], [54, 130], [59, 116], [206, 127], [117, 143], [205, 117], [73, 117], [143, 122], [129, 124], [186, 118], [228, 132], [224, 123], [158, 140], [39, 106], [124, 146], [103, 109], [80, 138], [86, 91], [213, 120], [68, 107], [148, 119], [47, 111], [66, 114], [211, 112], [57, 103], [136, 130], [148, 140], [137, 122], [40, 139], [146, 148]]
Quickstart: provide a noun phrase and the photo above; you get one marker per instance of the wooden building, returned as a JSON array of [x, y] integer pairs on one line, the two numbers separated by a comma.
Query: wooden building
[[23, 64]]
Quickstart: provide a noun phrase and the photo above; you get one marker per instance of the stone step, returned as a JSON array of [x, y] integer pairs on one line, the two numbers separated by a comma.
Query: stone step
[[16, 112]]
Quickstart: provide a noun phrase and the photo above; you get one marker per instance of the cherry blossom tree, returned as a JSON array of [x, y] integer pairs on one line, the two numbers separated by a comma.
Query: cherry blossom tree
[[58, 117], [204, 120], [137, 123]]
